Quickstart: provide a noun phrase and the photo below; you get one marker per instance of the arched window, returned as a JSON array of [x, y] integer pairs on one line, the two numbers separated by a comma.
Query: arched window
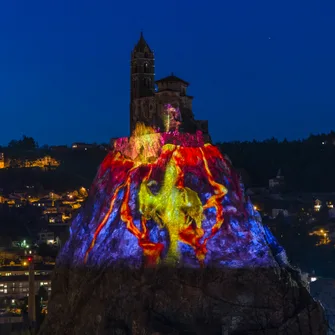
[[183, 90], [145, 68]]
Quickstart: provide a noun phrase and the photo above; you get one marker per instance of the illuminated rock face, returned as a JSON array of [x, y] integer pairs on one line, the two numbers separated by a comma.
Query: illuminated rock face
[[163, 199], [167, 243]]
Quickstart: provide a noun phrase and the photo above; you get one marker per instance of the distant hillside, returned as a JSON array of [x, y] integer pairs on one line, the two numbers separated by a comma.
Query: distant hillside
[[307, 165], [76, 169]]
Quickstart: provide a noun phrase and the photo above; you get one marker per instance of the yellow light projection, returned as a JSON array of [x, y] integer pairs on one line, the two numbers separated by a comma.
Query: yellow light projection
[[144, 145], [175, 208]]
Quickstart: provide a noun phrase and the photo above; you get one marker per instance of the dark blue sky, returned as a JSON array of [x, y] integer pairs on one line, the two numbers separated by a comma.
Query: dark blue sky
[[257, 68]]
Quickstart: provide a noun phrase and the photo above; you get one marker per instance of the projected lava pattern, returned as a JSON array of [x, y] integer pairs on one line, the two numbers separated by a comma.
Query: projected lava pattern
[[163, 198]]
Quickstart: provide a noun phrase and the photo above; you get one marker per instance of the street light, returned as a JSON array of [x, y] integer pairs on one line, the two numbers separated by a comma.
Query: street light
[[31, 295]]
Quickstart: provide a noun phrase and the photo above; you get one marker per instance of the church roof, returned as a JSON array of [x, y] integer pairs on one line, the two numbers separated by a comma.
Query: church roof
[[172, 78], [171, 90], [142, 44]]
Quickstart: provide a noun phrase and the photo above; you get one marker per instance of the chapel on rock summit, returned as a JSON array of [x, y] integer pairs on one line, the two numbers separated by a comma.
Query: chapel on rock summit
[[149, 98]]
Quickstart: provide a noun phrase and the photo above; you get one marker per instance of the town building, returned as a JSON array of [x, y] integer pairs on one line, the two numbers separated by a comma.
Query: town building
[[44, 163], [47, 237], [83, 146], [14, 280], [277, 184], [2, 160], [163, 104]]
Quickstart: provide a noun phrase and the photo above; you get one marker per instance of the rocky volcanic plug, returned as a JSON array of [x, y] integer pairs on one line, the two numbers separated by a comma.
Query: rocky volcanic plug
[[168, 243]]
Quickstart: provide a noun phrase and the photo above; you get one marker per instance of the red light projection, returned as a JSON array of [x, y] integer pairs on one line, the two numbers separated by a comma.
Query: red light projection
[[152, 186]]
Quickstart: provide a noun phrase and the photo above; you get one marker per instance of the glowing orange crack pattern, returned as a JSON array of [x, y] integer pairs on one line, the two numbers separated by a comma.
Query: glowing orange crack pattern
[[181, 214], [114, 160], [151, 250], [188, 235]]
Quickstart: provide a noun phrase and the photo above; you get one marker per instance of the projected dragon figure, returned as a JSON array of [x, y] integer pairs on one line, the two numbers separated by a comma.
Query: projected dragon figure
[[168, 198], [172, 205]]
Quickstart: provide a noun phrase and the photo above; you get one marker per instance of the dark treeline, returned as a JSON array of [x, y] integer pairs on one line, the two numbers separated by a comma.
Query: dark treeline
[[301, 247], [307, 165], [22, 221], [77, 168]]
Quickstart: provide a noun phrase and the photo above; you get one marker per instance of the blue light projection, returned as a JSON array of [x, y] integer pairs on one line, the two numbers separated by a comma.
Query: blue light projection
[[143, 210]]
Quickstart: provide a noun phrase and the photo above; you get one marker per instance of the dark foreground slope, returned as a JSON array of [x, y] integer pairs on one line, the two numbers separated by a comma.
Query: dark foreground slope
[[185, 301]]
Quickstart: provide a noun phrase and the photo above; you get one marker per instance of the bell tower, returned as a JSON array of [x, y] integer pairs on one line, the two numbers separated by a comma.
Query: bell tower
[[142, 77]]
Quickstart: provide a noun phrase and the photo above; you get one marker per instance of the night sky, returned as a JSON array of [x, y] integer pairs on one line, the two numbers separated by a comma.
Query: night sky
[[257, 68]]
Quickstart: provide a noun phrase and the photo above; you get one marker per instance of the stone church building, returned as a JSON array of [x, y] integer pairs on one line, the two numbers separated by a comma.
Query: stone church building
[[150, 99]]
